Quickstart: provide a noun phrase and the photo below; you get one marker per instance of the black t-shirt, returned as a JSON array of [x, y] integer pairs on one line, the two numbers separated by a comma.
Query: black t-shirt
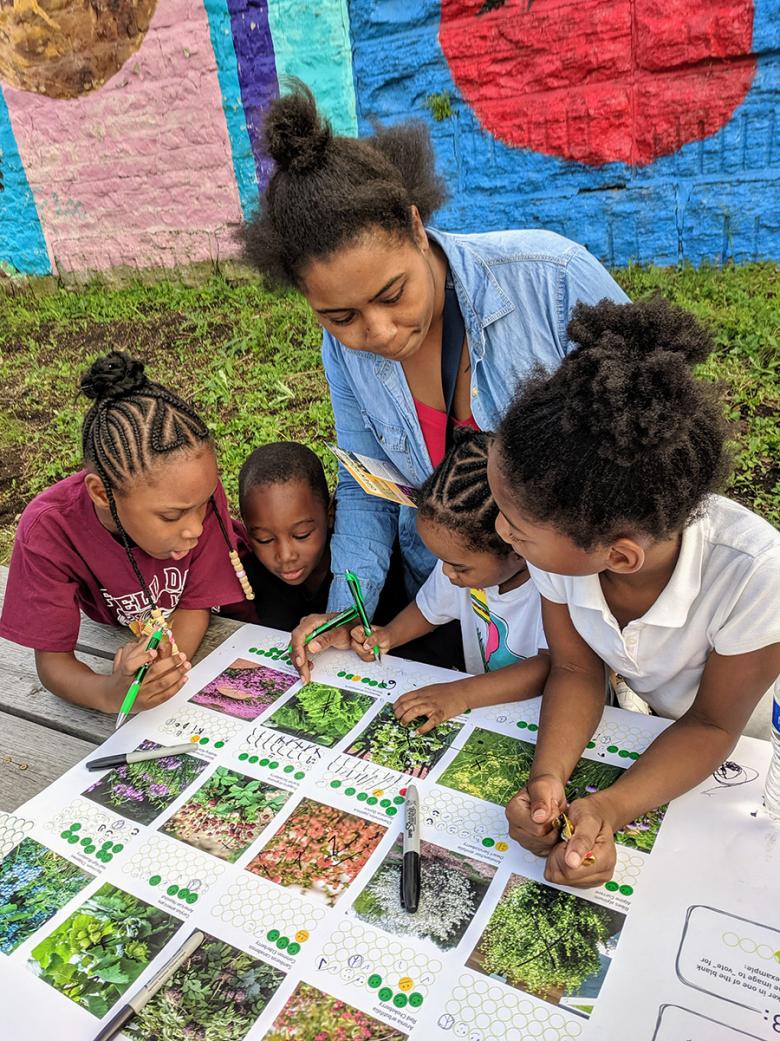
[[278, 604]]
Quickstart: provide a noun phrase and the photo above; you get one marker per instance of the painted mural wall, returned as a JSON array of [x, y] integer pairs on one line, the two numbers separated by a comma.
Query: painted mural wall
[[130, 129]]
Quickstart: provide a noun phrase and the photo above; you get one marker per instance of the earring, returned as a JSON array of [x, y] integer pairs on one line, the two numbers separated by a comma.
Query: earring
[[238, 567]]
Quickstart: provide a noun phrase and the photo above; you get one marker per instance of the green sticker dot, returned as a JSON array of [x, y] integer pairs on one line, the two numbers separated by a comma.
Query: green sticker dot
[[155, 880], [335, 784], [219, 744], [399, 800], [253, 759], [385, 994], [203, 741], [299, 775], [273, 935], [365, 680], [611, 887], [75, 827], [384, 802], [362, 796], [172, 890], [415, 999], [488, 842], [522, 724], [350, 790], [86, 841], [283, 942], [243, 757], [183, 893], [341, 674], [391, 811], [288, 769], [107, 845], [73, 840], [65, 835], [273, 765], [90, 848], [533, 726], [293, 948], [374, 981], [265, 761], [400, 1000], [118, 847], [374, 683], [612, 748], [591, 744], [191, 898], [623, 753], [626, 890], [253, 650], [372, 801], [633, 755]]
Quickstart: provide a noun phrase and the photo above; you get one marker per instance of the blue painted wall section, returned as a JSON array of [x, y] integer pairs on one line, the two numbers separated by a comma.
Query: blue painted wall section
[[714, 200], [22, 246]]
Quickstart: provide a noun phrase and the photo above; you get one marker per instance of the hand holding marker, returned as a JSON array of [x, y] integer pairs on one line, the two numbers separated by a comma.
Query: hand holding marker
[[349, 615], [135, 686], [357, 595]]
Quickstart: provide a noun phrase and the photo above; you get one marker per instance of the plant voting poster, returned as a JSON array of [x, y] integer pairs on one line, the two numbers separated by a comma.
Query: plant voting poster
[[278, 836]]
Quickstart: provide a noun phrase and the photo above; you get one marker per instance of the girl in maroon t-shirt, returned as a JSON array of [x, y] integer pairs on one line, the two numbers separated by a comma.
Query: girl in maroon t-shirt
[[138, 537]]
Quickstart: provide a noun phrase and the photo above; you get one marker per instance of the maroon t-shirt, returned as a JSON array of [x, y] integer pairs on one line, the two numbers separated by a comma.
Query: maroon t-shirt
[[64, 561]]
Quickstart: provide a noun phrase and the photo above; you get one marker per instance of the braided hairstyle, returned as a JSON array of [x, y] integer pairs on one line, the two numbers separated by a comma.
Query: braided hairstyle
[[457, 495], [132, 423], [328, 190], [622, 436]]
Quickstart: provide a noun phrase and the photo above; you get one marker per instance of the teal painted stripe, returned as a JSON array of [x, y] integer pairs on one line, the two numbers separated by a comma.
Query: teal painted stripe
[[227, 71], [312, 41], [22, 245]]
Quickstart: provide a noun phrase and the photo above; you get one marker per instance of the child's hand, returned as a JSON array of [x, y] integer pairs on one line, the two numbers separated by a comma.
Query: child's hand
[[438, 702], [593, 836], [166, 676], [299, 653], [364, 645], [531, 812]]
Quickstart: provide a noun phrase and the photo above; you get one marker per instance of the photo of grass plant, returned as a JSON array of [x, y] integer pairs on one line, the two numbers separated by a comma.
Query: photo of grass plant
[[319, 850], [312, 1015], [225, 815], [102, 948], [244, 690], [494, 767], [452, 889], [388, 743], [217, 996], [141, 791], [35, 883], [320, 713], [554, 945]]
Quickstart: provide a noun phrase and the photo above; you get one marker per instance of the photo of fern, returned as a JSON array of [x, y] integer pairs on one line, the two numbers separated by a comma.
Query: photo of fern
[[245, 689], [554, 945], [389, 743], [216, 996], [320, 713], [494, 767]]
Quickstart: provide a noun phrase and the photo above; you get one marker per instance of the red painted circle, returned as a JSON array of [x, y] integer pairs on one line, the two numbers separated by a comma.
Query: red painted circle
[[600, 81]]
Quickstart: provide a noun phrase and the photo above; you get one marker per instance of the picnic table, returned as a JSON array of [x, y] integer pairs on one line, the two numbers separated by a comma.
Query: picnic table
[[42, 736]]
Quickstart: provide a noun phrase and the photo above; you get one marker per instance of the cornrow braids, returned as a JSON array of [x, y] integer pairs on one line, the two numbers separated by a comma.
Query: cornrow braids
[[457, 495], [622, 436], [132, 421]]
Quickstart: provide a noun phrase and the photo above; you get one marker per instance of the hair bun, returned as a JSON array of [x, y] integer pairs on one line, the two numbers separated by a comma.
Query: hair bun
[[296, 135], [113, 376]]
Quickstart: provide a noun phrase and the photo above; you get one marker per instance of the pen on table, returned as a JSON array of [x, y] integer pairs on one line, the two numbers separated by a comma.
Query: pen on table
[[341, 618], [357, 595], [410, 865], [135, 686], [140, 755], [137, 1002]]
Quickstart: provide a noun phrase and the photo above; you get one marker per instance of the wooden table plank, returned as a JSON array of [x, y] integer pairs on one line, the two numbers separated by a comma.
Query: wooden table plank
[[31, 757]]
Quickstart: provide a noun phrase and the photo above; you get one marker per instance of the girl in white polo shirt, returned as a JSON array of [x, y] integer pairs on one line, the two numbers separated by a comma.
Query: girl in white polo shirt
[[604, 476]]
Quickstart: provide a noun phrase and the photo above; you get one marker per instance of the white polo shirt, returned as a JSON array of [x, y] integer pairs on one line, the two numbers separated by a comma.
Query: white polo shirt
[[724, 595]]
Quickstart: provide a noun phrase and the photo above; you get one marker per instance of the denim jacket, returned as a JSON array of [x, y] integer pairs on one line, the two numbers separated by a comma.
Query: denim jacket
[[516, 290]]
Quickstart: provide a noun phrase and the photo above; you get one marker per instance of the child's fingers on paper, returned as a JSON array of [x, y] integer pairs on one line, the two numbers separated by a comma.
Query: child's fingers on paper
[[434, 718]]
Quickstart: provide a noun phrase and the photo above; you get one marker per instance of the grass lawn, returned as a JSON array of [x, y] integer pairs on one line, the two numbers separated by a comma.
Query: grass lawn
[[250, 361]]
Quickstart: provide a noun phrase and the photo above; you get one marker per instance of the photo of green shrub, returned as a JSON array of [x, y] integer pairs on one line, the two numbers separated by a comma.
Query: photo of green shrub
[[216, 996], [226, 814], [388, 743], [452, 889], [102, 948], [320, 713], [141, 791], [312, 1015], [494, 767], [34, 884], [554, 945]]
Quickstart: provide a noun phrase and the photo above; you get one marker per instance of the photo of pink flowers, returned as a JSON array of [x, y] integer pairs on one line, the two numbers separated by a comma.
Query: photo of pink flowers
[[312, 1015], [141, 791], [319, 850], [244, 690], [225, 815]]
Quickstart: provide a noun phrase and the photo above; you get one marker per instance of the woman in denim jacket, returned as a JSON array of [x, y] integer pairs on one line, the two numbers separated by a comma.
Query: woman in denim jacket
[[344, 221]]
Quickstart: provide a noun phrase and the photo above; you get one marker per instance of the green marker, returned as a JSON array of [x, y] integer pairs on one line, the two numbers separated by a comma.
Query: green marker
[[357, 595], [135, 686], [349, 615]]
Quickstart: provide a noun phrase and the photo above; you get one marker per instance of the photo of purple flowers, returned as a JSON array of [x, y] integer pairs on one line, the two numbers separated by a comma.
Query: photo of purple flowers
[[141, 791], [244, 690]]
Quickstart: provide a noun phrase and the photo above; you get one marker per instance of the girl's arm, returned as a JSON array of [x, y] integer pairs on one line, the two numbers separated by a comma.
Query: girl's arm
[[189, 628], [440, 701]]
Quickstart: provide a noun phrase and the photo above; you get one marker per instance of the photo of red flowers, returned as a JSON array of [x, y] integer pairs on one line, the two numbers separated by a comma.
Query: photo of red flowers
[[319, 850], [311, 1015]]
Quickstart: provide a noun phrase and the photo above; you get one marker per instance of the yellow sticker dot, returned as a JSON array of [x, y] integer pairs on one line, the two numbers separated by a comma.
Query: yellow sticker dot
[[378, 791], [405, 983], [194, 739], [502, 847], [357, 678], [302, 936]]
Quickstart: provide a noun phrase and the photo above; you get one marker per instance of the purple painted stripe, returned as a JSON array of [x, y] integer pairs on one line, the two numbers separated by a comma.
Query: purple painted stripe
[[256, 72]]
